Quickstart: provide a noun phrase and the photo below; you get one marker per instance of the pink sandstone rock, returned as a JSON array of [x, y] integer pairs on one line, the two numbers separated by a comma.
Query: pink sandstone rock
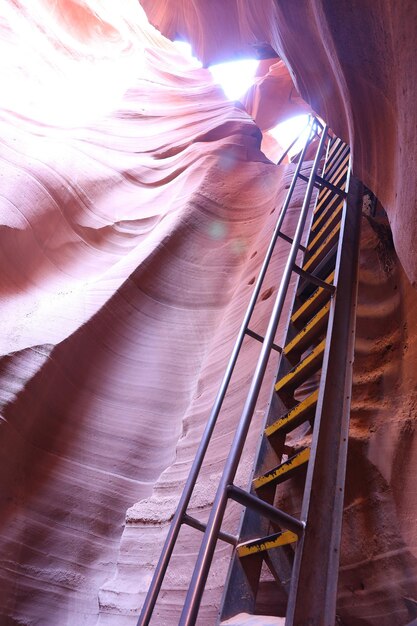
[[136, 206], [130, 239], [354, 65]]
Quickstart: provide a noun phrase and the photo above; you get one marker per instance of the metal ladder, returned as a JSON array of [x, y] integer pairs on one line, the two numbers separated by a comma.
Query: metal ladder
[[319, 337]]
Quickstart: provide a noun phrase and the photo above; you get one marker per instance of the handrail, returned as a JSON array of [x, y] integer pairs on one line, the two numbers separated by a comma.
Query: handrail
[[284, 154], [181, 510], [205, 556]]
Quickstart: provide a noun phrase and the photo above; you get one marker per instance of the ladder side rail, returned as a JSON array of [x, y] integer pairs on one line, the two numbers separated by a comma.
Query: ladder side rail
[[178, 519], [313, 589], [282, 157], [236, 591], [198, 581]]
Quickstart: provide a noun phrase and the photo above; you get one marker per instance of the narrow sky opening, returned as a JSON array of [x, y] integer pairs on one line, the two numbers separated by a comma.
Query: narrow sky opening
[[186, 50], [287, 131], [235, 77]]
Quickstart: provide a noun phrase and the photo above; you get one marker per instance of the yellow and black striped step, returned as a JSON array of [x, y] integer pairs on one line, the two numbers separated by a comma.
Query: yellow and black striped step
[[334, 218], [332, 207], [284, 471], [264, 544], [303, 370], [322, 250], [301, 413], [336, 146], [336, 180], [317, 299], [333, 165], [311, 331], [340, 169], [328, 207]]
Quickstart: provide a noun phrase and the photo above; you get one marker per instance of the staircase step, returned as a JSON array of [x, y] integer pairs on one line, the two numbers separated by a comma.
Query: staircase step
[[323, 249], [303, 370], [339, 170], [255, 546], [325, 193], [246, 619], [331, 208], [284, 471], [332, 166], [335, 147], [326, 228], [312, 304], [306, 336], [302, 412], [306, 287]]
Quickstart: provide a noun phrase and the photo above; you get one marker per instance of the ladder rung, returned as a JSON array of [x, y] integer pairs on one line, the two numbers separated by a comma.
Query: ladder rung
[[303, 411], [314, 279], [255, 546], [303, 370], [328, 211], [310, 331], [267, 510], [322, 183], [254, 335], [284, 471], [195, 523], [323, 249], [289, 239], [329, 197], [306, 179], [314, 302], [335, 216], [306, 287]]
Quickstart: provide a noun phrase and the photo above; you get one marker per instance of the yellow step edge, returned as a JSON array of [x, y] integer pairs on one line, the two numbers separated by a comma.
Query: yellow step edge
[[323, 198], [326, 243], [333, 159], [334, 216], [336, 178], [328, 210], [343, 165], [303, 335], [292, 378], [279, 472], [303, 310], [336, 144], [335, 196], [266, 543], [296, 415]]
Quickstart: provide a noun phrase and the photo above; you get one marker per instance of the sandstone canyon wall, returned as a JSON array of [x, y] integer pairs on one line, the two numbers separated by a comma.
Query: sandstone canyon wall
[[134, 220], [131, 232], [353, 62]]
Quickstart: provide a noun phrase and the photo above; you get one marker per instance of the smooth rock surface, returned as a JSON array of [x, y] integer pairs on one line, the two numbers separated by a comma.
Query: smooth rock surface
[[353, 63], [131, 234], [136, 206]]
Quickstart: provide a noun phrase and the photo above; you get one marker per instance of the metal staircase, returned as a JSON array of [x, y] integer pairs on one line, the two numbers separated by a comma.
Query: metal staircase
[[313, 386]]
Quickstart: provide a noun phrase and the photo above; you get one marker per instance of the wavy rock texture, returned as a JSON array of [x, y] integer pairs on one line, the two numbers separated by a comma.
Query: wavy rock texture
[[147, 521], [133, 223], [130, 238], [354, 63]]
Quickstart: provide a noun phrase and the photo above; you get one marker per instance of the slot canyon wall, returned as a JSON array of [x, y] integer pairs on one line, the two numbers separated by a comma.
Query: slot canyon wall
[[134, 220]]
